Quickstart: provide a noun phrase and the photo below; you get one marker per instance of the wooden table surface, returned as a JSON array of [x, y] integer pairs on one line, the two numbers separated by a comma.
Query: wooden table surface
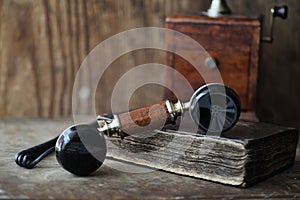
[[49, 180]]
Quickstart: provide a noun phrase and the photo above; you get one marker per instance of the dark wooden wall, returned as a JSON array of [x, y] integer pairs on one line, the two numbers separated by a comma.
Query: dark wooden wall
[[43, 43]]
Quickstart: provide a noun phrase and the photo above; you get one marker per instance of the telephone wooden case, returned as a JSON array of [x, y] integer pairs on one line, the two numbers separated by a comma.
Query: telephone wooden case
[[232, 42]]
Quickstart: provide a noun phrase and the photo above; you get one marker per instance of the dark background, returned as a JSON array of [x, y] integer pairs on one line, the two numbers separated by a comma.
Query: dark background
[[44, 42]]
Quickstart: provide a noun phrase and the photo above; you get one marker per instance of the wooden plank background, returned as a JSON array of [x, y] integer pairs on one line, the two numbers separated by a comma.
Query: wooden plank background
[[43, 43]]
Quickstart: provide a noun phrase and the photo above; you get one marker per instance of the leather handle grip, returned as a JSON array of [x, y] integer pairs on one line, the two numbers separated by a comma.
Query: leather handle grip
[[143, 119]]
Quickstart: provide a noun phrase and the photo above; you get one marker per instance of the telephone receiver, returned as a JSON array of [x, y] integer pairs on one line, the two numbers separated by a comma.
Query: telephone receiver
[[81, 149]]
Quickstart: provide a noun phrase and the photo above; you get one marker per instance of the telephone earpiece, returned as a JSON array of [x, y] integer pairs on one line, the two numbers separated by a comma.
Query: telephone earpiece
[[81, 149], [215, 108]]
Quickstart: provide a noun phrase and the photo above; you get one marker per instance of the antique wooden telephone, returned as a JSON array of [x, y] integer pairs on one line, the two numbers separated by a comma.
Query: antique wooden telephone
[[213, 108], [233, 43]]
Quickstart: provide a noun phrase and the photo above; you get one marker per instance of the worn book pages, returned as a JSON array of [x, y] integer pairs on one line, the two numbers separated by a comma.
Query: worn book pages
[[245, 155]]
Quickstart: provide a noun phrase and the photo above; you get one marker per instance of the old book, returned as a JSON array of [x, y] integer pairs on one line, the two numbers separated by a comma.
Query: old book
[[243, 156]]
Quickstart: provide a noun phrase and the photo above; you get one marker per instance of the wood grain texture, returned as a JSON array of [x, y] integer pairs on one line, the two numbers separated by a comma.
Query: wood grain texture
[[39, 65], [43, 43], [49, 181], [145, 119]]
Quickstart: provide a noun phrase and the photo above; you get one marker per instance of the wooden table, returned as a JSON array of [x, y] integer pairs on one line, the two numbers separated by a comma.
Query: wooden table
[[49, 180]]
